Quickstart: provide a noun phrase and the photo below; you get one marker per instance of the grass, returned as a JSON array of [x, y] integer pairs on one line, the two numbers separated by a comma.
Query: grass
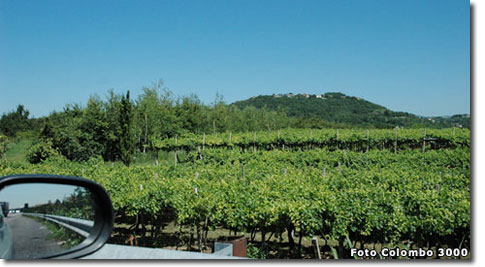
[[18, 150]]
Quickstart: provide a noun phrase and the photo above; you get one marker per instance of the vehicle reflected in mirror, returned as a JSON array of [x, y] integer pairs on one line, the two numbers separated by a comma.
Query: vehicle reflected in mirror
[[38, 220]]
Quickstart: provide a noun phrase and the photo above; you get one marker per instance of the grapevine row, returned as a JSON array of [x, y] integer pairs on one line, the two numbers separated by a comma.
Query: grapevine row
[[351, 139], [373, 197]]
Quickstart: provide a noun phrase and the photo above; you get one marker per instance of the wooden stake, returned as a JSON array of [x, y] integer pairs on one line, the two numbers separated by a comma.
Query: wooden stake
[[324, 172], [395, 142], [230, 136], [311, 133], [339, 167], [254, 145], [279, 133], [424, 141], [285, 171], [367, 150], [199, 152], [243, 175], [316, 248], [203, 142], [453, 131], [175, 157], [156, 176], [438, 185]]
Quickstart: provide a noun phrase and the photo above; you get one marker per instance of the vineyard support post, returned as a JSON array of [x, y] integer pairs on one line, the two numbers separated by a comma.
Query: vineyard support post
[[311, 137], [424, 141], [199, 153], [203, 142], [337, 140], [156, 156], [341, 247], [395, 141], [367, 150], [316, 248], [199, 237], [254, 142]]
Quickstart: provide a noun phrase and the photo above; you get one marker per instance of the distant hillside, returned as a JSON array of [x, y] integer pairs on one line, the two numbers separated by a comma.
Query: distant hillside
[[340, 109]]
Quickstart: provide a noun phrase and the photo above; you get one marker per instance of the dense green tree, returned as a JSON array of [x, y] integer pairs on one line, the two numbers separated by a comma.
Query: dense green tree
[[94, 128], [13, 122], [126, 138], [112, 108]]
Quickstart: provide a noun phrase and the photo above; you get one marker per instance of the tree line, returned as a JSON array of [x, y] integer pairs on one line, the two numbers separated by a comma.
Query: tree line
[[118, 126]]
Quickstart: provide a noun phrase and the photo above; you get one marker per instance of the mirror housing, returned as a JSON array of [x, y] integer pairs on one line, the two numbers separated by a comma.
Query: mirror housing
[[104, 214]]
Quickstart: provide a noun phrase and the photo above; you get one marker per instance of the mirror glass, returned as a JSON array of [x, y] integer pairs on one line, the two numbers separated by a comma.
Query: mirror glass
[[39, 219]]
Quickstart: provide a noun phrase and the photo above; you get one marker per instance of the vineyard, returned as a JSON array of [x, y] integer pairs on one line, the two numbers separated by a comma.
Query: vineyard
[[349, 188], [332, 139]]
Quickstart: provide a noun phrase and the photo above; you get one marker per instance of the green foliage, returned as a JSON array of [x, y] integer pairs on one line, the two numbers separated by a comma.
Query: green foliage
[[13, 122], [41, 151], [78, 205], [376, 196], [3, 147], [295, 139], [126, 138], [340, 110], [256, 252]]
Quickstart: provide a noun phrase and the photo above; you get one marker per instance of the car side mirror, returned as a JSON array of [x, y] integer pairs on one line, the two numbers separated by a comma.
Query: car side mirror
[[52, 217]]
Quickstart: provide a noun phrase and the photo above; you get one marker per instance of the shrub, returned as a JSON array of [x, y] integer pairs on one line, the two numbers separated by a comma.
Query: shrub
[[40, 152]]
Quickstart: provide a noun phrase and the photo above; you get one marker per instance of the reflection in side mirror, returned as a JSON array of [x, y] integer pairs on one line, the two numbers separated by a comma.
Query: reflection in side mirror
[[52, 217], [46, 219]]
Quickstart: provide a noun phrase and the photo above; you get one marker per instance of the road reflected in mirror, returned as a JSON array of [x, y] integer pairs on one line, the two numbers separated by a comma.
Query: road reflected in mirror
[[39, 220]]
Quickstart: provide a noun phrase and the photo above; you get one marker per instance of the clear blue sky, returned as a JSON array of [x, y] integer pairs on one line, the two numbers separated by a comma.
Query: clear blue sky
[[407, 55], [34, 194]]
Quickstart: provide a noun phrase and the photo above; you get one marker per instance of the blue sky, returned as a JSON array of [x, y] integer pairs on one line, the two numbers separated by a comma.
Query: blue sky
[[409, 56], [34, 194]]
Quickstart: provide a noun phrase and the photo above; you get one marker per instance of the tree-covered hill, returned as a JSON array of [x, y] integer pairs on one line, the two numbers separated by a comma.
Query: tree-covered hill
[[338, 108]]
